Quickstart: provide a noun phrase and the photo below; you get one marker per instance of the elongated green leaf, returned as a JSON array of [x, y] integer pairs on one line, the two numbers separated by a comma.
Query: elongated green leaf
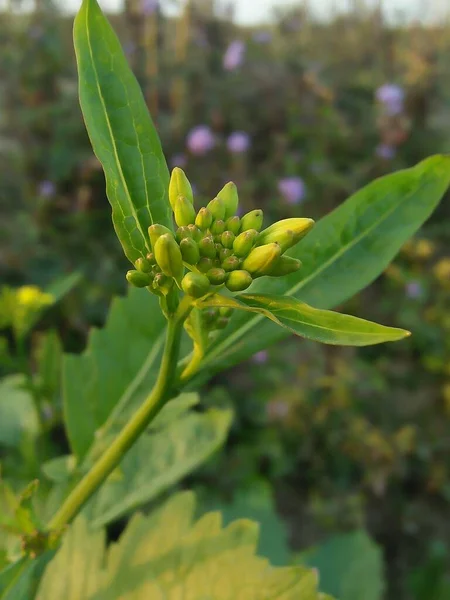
[[344, 252], [18, 415], [168, 556], [121, 131], [323, 326], [19, 580]]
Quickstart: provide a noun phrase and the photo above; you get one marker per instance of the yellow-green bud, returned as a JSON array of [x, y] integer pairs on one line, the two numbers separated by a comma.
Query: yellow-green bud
[[252, 220], [138, 279], [244, 242], [225, 253], [162, 283], [284, 266], [205, 264], [184, 212], [233, 224], [207, 247], [143, 265], [262, 259], [278, 232], [195, 232], [189, 251], [229, 196], [217, 208], [183, 232], [218, 227], [210, 315], [179, 186], [227, 239], [203, 219], [216, 276], [168, 256], [151, 258], [231, 263], [238, 281], [225, 311], [221, 323], [195, 284], [156, 231]]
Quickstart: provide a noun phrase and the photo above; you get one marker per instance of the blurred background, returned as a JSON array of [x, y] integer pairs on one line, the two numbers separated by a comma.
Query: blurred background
[[300, 105]]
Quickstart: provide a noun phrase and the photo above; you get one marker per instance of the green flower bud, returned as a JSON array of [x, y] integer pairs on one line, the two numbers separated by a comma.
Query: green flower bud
[[210, 315], [183, 232], [233, 224], [262, 259], [184, 211], [227, 239], [207, 247], [203, 219], [284, 266], [189, 251], [252, 220], [225, 253], [179, 186], [195, 284], [151, 258], [168, 256], [217, 208], [195, 232], [278, 232], [231, 263], [221, 323], [229, 196], [143, 265], [162, 283], [238, 280], [218, 227], [138, 279], [216, 276], [244, 242], [205, 264], [225, 311], [156, 231]]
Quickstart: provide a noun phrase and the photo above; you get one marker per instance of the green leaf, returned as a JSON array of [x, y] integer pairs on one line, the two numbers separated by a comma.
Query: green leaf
[[48, 358], [344, 252], [168, 556], [18, 416], [19, 580], [323, 326], [350, 566], [121, 131]]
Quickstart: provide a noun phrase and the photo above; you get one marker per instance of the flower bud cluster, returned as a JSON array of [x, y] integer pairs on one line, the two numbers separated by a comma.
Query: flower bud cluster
[[215, 245]]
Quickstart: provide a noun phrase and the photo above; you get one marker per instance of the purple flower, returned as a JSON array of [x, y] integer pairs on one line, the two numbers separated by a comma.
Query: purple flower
[[262, 37], [414, 289], [46, 189], [238, 142], [392, 97], [178, 160], [200, 140], [149, 6], [234, 55], [292, 189], [385, 151], [260, 357]]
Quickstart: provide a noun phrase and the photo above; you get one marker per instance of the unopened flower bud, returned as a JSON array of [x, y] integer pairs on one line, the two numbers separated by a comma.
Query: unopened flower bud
[[143, 265], [227, 239], [252, 220], [151, 258], [221, 323], [244, 242], [216, 276], [183, 232], [195, 284], [203, 219], [233, 224], [278, 232], [262, 259], [138, 279], [195, 232], [225, 253], [238, 280], [168, 256], [207, 247], [229, 196], [162, 283], [189, 251], [184, 212], [217, 208], [210, 315], [156, 231], [179, 186], [205, 264], [284, 266], [225, 311], [218, 227], [231, 263]]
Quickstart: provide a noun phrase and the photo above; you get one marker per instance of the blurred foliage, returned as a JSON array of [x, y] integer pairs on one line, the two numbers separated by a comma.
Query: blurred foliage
[[325, 440]]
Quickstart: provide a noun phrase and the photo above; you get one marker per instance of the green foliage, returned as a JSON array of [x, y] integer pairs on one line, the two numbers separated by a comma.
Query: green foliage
[[18, 416], [168, 554], [121, 132]]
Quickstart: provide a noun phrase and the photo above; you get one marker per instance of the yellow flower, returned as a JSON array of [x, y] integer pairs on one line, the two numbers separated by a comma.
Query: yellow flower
[[441, 271], [21, 307]]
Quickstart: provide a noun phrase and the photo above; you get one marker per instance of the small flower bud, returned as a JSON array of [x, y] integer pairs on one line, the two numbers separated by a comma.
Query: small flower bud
[[224, 311], [183, 232], [216, 276], [252, 220], [179, 186], [207, 247], [227, 239], [189, 251], [138, 279], [168, 256], [284, 266], [195, 232], [210, 315], [143, 265], [156, 231], [244, 242], [195, 284], [151, 258], [233, 224], [262, 259], [218, 227], [277, 232], [217, 208], [238, 281], [184, 211], [229, 196], [205, 264], [162, 283], [221, 323], [231, 263], [203, 219], [225, 253]]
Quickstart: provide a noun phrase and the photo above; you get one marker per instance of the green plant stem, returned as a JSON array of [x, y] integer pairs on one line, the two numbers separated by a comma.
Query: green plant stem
[[133, 429]]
